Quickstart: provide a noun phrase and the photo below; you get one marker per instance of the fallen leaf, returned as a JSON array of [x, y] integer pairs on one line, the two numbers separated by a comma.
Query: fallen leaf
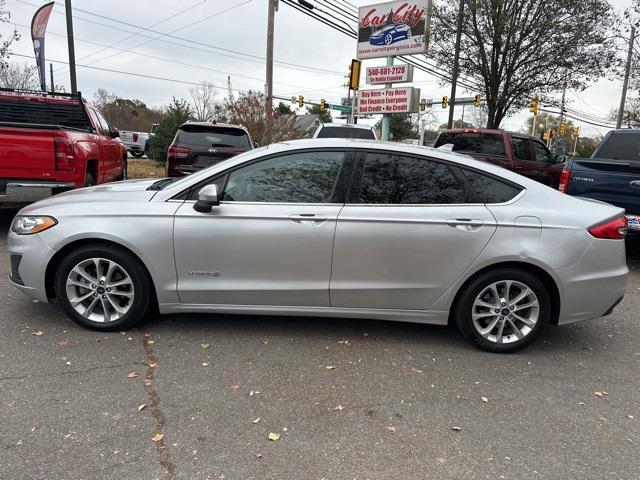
[[457, 429], [339, 408], [142, 407], [580, 403], [132, 375], [152, 364], [151, 342], [68, 363], [158, 437], [256, 420], [330, 367], [147, 382], [604, 393], [205, 364], [258, 455], [274, 437], [415, 370], [391, 428], [484, 399], [123, 334], [631, 417], [285, 429], [63, 343], [39, 333], [205, 345], [235, 387], [129, 339], [598, 394], [265, 342]]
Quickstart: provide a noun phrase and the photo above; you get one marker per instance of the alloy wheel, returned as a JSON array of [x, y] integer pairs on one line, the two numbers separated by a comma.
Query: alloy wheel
[[100, 290], [505, 311]]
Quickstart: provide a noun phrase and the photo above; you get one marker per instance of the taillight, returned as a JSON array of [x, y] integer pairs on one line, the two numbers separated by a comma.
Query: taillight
[[135, 137], [64, 155], [615, 229], [564, 180], [178, 152]]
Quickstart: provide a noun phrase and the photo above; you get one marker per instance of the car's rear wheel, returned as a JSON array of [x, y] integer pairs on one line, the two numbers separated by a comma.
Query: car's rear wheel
[[103, 288], [388, 39], [503, 310], [137, 154]]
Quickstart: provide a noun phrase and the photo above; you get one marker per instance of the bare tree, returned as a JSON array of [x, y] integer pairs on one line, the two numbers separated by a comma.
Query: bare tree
[[516, 48], [19, 75], [203, 102], [5, 16]]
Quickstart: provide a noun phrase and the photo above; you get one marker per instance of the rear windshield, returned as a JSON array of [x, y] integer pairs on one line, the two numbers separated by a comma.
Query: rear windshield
[[346, 132], [485, 144], [620, 146], [211, 136], [71, 114]]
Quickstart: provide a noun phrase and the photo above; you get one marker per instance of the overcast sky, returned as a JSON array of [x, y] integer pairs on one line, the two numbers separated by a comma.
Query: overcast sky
[[311, 57]]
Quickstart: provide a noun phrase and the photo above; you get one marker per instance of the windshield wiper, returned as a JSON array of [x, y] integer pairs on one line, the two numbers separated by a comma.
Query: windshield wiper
[[160, 184]]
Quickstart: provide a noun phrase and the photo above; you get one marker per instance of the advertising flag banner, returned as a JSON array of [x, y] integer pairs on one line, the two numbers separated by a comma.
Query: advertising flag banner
[[38, 29], [388, 100], [393, 28]]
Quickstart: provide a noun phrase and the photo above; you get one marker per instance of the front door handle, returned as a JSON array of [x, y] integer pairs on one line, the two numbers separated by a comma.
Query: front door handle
[[308, 218]]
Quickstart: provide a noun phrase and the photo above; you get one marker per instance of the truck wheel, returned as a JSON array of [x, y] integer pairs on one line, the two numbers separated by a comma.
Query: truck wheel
[[137, 154], [103, 287], [88, 180]]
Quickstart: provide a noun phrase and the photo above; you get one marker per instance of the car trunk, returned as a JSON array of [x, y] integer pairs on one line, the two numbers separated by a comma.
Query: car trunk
[[607, 180], [202, 157]]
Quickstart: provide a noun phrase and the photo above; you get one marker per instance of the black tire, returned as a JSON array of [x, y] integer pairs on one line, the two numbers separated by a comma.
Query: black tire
[[143, 301], [464, 308], [137, 154], [123, 174], [88, 180]]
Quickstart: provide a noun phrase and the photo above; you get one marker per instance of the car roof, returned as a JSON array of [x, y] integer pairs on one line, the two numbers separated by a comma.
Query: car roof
[[347, 125], [489, 131], [214, 124]]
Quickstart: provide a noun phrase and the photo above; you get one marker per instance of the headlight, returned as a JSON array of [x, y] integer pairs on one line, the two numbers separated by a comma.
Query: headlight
[[29, 225]]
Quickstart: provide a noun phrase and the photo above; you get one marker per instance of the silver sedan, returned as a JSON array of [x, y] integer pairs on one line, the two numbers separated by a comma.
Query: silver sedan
[[329, 228]]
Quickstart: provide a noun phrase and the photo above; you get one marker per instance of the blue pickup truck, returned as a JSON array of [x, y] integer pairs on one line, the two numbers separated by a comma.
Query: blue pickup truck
[[611, 175]]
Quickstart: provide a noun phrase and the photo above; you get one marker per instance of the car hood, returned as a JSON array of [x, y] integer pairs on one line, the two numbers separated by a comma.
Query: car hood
[[125, 191]]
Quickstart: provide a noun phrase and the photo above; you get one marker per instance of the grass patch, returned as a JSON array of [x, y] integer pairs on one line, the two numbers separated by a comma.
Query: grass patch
[[145, 169]]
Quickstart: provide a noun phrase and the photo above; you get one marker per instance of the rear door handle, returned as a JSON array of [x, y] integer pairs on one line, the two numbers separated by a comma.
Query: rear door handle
[[308, 218]]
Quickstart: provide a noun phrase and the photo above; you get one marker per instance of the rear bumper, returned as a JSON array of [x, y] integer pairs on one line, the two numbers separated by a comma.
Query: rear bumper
[[27, 191]]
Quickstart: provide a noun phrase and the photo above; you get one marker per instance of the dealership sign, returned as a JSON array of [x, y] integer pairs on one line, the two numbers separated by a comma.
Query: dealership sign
[[388, 100], [390, 74], [393, 28]]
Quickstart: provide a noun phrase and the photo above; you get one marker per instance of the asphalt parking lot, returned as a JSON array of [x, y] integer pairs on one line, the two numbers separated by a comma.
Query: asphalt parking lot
[[350, 399]]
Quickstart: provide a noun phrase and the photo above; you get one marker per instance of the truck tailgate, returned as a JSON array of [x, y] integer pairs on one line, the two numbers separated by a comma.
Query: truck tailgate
[[26, 153], [612, 181]]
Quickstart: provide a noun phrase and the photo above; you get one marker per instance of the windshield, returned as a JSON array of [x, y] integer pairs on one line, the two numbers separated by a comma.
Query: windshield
[[346, 132], [212, 136]]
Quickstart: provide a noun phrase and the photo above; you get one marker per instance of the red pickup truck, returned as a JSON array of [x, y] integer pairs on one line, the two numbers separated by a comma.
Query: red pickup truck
[[54, 142], [519, 152]]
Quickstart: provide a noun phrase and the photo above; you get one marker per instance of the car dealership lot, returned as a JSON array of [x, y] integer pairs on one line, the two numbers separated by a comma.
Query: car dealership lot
[[349, 398]]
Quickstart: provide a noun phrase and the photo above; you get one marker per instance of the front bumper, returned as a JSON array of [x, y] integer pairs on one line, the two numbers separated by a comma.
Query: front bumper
[[35, 255], [28, 191]]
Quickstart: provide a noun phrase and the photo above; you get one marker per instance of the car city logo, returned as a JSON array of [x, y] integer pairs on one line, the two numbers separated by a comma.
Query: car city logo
[[635, 184], [409, 14]]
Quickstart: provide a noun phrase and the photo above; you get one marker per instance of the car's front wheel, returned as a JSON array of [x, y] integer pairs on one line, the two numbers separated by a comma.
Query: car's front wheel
[[503, 310], [103, 287], [388, 39]]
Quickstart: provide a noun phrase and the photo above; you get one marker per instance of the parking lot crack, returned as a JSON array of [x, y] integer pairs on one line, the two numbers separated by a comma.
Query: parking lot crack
[[154, 400]]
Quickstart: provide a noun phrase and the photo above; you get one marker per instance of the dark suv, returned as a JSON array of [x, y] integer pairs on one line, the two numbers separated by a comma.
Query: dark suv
[[199, 145]]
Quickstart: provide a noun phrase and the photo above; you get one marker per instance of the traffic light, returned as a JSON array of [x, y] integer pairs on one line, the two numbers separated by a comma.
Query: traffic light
[[445, 101], [423, 105], [534, 106], [300, 101], [323, 104], [477, 100], [563, 129], [354, 74], [576, 131]]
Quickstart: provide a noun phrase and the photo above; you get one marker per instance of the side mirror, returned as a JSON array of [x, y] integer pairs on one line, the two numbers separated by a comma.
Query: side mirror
[[207, 199], [115, 133]]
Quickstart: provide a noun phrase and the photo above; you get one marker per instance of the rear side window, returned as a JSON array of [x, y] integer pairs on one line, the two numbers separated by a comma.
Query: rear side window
[[394, 179], [485, 144], [212, 136], [346, 132], [490, 189], [621, 146]]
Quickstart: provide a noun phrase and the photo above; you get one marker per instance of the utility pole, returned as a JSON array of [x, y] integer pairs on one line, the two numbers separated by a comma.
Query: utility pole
[[558, 142], [53, 88], [270, 21], [456, 61], [72, 52], [386, 117], [625, 83]]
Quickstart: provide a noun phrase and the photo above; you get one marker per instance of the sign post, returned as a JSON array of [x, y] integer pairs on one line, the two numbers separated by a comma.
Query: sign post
[[386, 118]]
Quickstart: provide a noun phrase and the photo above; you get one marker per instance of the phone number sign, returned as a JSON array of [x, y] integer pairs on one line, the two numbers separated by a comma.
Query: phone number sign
[[388, 100], [390, 74]]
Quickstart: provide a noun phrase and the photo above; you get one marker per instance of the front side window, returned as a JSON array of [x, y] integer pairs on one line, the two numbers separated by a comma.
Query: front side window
[[396, 179], [521, 148], [307, 177], [484, 144]]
